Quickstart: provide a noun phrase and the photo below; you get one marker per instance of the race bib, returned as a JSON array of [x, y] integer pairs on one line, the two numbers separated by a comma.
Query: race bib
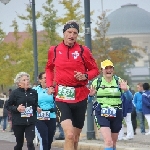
[[28, 112], [66, 93], [44, 115], [108, 112]]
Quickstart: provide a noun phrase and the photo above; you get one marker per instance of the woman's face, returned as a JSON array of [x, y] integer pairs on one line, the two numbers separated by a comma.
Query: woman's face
[[24, 82], [108, 71], [43, 80]]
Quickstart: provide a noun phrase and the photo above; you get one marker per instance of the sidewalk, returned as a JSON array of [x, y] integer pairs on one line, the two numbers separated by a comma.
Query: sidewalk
[[140, 142], [5, 145]]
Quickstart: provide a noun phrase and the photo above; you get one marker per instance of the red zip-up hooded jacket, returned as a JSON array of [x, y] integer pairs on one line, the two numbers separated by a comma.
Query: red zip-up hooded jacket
[[68, 60]]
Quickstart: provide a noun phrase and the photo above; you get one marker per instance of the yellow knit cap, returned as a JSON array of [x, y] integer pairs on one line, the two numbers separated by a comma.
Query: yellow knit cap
[[106, 63]]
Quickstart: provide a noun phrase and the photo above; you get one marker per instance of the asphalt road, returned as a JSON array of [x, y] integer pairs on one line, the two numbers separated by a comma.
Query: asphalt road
[[5, 145]]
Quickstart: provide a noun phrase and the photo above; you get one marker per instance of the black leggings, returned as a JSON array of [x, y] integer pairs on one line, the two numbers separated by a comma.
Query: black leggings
[[19, 131]]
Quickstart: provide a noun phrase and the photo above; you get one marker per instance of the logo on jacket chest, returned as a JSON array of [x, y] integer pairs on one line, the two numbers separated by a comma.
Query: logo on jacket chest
[[75, 54]]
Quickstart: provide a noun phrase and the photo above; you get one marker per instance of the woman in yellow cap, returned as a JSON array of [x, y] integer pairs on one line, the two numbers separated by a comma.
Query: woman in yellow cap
[[109, 91]]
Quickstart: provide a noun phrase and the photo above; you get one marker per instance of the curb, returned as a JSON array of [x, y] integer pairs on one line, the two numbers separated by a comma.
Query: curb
[[92, 146]]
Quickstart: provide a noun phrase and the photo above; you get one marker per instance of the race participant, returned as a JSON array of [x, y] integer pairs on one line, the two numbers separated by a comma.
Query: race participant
[[70, 66], [46, 124], [109, 90], [22, 104]]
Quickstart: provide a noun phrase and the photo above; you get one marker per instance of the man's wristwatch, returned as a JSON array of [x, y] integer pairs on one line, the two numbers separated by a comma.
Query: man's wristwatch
[[91, 95], [86, 75]]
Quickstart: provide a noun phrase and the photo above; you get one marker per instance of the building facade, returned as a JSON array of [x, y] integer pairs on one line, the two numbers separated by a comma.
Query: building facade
[[133, 22]]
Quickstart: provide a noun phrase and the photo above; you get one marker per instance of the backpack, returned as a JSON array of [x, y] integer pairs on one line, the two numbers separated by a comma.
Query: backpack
[[81, 54], [99, 81]]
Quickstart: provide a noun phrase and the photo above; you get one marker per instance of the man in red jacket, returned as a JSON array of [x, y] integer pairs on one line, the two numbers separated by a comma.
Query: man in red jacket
[[70, 66]]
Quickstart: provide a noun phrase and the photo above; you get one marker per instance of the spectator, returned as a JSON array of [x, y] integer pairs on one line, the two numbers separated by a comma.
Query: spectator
[[127, 109], [1, 110], [137, 99], [133, 115], [133, 118], [146, 104], [5, 116], [10, 115]]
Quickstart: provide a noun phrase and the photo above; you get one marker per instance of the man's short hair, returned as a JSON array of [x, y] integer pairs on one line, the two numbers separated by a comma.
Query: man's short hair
[[140, 84], [10, 90], [146, 86]]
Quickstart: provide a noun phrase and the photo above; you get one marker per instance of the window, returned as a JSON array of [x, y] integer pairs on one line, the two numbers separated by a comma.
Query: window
[[146, 63]]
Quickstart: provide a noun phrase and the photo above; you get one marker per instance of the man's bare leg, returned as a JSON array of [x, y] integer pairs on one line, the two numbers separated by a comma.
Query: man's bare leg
[[77, 132], [69, 134]]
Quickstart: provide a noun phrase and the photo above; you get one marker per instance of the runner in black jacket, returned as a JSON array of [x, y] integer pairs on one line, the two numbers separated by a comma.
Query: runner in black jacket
[[23, 105], [22, 96]]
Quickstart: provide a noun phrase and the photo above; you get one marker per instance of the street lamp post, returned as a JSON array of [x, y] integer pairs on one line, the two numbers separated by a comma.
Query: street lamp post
[[148, 53], [90, 119], [35, 54]]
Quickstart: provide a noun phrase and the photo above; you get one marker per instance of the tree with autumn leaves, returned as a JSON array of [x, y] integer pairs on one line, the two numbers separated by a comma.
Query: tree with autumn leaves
[[119, 50], [3, 63], [20, 57]]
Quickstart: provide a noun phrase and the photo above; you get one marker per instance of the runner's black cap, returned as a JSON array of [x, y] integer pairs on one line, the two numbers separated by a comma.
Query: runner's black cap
[[71, 25]]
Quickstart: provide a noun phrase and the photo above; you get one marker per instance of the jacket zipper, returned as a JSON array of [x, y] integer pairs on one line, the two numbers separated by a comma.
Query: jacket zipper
[[68, 53], [26, 103]]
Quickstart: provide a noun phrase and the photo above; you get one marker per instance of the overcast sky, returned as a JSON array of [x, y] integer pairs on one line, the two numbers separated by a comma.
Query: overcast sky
[[8, 12]]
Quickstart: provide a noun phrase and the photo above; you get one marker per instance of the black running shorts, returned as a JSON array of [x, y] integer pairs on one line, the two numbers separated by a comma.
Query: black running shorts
[[73, 111]]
